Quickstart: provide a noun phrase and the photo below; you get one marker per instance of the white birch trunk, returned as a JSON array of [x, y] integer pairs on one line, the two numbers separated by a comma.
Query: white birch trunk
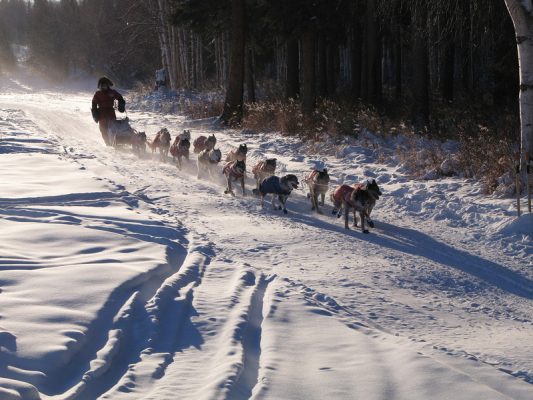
[[521, 12], [164, 38]]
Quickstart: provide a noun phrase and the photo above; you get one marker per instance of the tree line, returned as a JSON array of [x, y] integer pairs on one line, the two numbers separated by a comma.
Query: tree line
[[73, 38], [415, 53], [379, 52]]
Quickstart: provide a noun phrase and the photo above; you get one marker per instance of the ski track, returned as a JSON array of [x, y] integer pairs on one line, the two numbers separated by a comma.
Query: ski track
[[205, 310]]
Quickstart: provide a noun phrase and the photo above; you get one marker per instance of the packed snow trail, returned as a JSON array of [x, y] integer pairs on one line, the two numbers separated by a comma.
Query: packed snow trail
[[207, 296]]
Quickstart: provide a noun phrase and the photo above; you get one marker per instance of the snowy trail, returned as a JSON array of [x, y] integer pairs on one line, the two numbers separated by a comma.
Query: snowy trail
[[249, 303]]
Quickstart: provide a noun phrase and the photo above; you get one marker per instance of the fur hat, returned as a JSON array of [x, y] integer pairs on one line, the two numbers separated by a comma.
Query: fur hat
[[104, 81]]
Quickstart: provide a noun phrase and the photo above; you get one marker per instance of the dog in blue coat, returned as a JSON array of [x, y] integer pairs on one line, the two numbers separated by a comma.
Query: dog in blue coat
[[277, 187]]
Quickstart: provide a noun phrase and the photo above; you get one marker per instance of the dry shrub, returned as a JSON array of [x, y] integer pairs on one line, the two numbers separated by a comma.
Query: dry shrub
[[202, 107], [290, 119], [277, 116], [420, 157], [486, 157], [141, 89], [336, 119], [482, 152], [287, 117], [261, 116]]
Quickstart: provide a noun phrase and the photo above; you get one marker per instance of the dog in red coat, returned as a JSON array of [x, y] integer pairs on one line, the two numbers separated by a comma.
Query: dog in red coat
[[359, 198], [161, 142]]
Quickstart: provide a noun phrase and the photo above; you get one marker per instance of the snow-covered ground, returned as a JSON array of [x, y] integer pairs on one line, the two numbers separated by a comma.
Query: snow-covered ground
[[123, 278]]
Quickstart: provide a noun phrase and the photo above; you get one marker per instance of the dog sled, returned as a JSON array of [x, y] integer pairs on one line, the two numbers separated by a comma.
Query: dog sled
[[121, 133]]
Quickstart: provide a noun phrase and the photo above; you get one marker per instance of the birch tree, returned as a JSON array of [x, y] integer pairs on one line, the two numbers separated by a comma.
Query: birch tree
[[521, 12]]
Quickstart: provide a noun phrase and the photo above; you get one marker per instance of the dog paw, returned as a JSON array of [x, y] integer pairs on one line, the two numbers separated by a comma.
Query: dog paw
[[370, 223], [366, 231], [339, 215], [285, 212]]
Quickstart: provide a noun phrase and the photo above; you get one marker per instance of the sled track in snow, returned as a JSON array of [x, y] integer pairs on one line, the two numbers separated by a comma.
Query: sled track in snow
[[150, 324], [248, 374]]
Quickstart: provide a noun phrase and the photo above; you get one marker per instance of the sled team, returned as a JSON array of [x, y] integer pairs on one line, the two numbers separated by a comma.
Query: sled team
[[359, 198]]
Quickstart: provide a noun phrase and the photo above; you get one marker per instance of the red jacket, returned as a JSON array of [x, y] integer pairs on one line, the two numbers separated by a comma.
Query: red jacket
[[105, 101]]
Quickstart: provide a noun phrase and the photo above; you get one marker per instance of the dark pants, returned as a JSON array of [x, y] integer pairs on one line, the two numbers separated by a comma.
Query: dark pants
[[103, 124]]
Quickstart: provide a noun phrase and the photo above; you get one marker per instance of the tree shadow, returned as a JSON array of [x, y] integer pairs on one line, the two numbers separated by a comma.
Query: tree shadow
[[418, 244]]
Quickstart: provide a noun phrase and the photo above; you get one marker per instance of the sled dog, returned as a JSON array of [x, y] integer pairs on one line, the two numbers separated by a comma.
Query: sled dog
[[280, 188], [318, 184], [358, 198], [263, 170], [161, 142], [202, 143], [138, 143], [207, 162], [180, 148], [234, 171]]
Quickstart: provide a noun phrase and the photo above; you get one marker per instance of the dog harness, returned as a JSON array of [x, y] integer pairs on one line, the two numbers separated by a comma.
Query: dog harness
[[232, 171], [162, 139], [312, 175], [359, 186], [180, 147], [212, 158], [237, 155], [273, 185], [262, 166], [199, 144], [343, 193], [311, 179], [202, 143]]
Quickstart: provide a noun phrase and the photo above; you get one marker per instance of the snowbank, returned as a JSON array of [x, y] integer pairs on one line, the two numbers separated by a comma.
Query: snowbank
[[73, 252], [522, 226]]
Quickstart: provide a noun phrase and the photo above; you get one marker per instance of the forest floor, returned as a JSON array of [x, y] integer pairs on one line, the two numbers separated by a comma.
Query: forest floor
[[124, 278]]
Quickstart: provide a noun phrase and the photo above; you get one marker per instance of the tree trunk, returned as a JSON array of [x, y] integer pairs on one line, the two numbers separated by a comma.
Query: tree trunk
[[322, 74], [373, 61], [467, 48], [249, 73], [363, 79], [332, 68], [397, 60], [308, 73], [447, 68], [355, 62], [233, 105], [421, 69], [523, 23], [164, 42], [292, 88]]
